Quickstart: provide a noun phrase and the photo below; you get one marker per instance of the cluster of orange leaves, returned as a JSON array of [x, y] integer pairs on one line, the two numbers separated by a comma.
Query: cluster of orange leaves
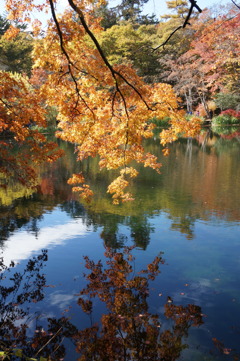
[[104, 111], [20, 109]]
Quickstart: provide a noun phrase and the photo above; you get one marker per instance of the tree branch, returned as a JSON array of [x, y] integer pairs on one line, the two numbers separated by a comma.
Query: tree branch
[[70, 63], [193, 5], [186, 22], [235, 4], [166, 41], [104, 58]]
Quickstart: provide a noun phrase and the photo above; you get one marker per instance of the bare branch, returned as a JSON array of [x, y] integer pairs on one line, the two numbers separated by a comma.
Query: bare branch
[[166, 41], [193, 5], [58, 331], [235, 4], [186, 22], [59, 32]]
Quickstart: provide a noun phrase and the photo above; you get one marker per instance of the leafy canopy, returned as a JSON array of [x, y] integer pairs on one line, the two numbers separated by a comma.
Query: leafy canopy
[[103, 108]]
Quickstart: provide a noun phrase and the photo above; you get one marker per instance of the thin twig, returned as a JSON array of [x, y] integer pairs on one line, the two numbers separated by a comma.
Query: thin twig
[[70, 63], [186, 22], [58, 331], [114, 72], [166, 41]]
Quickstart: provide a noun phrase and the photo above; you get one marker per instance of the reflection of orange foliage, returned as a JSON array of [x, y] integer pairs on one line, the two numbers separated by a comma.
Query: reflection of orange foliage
[[209, 181], [47, 186], [128, 330], [206, 139], [223, 350], [207, 192], [231, 136]]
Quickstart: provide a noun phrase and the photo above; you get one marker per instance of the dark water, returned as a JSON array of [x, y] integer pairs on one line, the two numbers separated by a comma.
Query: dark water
[[191, 213]]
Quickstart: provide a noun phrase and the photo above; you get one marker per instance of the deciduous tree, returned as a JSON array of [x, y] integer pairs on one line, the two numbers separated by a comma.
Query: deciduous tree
[[103, 108], [21, 145], [215, 50], [211, 64]]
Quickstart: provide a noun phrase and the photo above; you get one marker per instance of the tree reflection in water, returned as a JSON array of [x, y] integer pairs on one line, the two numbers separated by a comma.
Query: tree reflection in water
[[18, 291], [126, 331]]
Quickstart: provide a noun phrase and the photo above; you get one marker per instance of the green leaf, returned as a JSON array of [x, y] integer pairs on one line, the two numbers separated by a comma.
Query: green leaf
[[17, 352]]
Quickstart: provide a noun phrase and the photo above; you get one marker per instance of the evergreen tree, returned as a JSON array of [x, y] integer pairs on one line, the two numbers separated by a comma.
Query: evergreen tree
[[15, 54], [4, 25], [179, 7]]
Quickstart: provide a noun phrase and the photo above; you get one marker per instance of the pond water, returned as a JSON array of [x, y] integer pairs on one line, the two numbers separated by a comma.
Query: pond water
[[190, 213]]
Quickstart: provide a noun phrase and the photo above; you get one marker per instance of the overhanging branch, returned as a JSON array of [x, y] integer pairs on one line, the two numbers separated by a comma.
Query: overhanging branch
[[70, 63], [114, 72], [235, 4]]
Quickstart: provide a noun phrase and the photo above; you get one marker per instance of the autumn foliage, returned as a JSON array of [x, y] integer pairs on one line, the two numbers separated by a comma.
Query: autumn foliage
[[209, 66], [216, 50], [104, 109], [23, 146]]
